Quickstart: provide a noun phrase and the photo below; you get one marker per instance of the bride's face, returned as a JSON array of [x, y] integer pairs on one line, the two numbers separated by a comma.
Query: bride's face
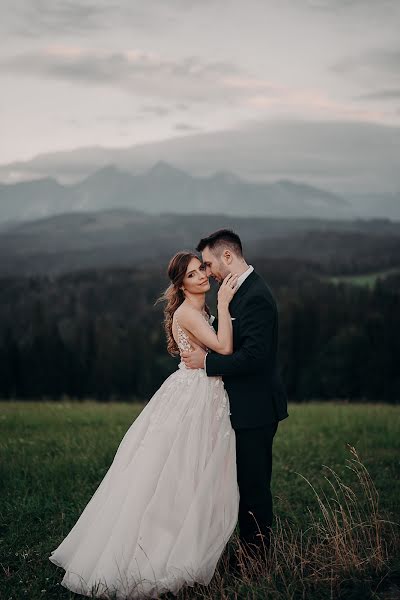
[[196, 280]]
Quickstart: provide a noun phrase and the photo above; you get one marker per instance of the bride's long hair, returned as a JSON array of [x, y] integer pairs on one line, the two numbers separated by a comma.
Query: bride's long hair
[[173, 296]]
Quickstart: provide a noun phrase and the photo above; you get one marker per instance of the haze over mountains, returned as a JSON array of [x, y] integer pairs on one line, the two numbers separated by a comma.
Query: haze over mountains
[[342, 157], [138, 205], [165, 189], [288, 169]]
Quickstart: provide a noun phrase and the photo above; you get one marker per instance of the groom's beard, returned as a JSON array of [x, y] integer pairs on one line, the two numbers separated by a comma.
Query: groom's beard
[[222, 276], [218, 279]]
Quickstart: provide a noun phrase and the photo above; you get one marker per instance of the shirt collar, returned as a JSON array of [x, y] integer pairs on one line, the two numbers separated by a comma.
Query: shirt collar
[[243, 276]]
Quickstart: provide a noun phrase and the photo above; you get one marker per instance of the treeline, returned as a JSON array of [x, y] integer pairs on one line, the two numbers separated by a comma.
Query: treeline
[[97, 333], [334, 252]]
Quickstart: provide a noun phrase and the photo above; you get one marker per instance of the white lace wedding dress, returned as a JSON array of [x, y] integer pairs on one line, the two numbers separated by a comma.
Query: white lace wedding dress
[[168, 504]]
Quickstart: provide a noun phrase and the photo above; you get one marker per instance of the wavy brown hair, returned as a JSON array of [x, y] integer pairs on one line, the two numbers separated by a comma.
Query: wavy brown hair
[[173, 296]]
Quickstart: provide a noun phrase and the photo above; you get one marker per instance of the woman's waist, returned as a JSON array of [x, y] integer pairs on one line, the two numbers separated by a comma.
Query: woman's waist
[[199, 372], [186, 369]]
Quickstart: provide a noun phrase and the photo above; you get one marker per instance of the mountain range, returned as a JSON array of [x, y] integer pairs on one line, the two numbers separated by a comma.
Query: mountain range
[[166, 189]]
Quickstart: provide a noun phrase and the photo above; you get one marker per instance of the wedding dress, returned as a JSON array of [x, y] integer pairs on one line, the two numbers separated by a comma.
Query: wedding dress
[[168, 504]]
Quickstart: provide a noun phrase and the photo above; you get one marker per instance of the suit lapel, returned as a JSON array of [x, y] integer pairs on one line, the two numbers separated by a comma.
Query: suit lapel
[[240, 294], [238, 297]]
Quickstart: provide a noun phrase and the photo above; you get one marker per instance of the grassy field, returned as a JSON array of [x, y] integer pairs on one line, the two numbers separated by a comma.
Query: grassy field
[[368, 279], [54, 455]]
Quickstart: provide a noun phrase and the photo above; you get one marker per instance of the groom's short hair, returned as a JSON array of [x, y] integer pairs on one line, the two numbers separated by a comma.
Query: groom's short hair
[[220, 238]]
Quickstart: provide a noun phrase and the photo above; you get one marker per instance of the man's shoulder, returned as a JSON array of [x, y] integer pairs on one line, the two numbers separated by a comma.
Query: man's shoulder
[[260, 290]]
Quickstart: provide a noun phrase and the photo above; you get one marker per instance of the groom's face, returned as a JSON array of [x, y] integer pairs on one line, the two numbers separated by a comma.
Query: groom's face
[[214, 265]]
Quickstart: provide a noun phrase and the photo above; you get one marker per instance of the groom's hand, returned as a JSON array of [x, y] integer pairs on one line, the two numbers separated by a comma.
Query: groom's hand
[[195, 358]]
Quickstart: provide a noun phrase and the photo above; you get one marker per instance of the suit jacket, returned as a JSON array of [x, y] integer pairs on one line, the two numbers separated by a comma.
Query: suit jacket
[[250, 375]]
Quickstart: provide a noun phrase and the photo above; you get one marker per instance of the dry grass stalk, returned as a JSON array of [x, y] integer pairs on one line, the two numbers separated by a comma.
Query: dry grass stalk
[[345, 540]]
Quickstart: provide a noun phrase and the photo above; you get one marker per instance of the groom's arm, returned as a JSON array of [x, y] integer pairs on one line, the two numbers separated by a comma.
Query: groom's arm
[[255, 328]]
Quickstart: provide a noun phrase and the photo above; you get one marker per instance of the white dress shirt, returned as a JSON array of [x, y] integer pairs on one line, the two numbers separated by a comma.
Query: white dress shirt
[[243, 276], [240, 280]]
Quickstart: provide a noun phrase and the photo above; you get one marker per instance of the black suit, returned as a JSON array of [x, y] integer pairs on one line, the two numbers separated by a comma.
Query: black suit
[[257, 399]]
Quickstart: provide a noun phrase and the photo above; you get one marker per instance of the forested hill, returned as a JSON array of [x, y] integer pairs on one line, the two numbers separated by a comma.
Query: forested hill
[[123, 237], [96, 333], [77, 293]]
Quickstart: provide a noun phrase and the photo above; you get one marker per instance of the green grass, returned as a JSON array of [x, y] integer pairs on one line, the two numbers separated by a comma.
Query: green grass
[[54, 455], [367, 279]]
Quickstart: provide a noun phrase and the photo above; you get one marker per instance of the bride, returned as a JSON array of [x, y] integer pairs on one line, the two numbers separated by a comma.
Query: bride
[[168, 504]]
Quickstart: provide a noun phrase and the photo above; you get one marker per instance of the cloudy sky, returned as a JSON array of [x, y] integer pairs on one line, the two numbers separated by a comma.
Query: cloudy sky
[[115, 73]]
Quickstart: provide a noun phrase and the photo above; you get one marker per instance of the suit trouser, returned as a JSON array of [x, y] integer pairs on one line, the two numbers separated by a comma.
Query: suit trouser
[[254, 469]]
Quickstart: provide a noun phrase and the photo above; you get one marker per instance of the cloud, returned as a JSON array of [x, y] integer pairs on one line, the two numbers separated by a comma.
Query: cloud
[[186, 127], [178, 83], [116, 119], [377, 71], [317, 103], [346, 5], [393, 94], [44, 18], [144, 74], [377, 64], [55, 16], [157, 111], [331, 4]]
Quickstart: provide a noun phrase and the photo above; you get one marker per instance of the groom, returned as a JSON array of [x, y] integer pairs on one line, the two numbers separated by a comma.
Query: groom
[[256, 394]]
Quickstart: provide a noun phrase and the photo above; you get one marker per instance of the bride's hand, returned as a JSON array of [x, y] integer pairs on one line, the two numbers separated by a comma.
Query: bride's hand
[[227, 289]]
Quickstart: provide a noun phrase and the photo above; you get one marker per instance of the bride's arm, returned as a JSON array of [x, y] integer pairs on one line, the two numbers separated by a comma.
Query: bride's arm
[[194, 323]]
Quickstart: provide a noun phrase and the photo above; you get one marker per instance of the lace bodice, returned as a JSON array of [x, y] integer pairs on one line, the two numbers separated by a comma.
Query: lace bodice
[[183, 339]]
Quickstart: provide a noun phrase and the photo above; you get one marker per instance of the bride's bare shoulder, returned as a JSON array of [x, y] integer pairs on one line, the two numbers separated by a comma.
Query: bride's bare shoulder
[[186, 313], [185, 309]]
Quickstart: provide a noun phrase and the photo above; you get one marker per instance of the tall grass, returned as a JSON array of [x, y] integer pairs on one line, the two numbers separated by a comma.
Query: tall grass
[[332, 538], [346, 550]]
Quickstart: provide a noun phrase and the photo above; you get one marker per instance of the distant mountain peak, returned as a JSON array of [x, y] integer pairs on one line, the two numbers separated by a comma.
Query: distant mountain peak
[[163, 169], [312, 191], [226, 177], [104, 176], [106, 171], [44, 183]]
